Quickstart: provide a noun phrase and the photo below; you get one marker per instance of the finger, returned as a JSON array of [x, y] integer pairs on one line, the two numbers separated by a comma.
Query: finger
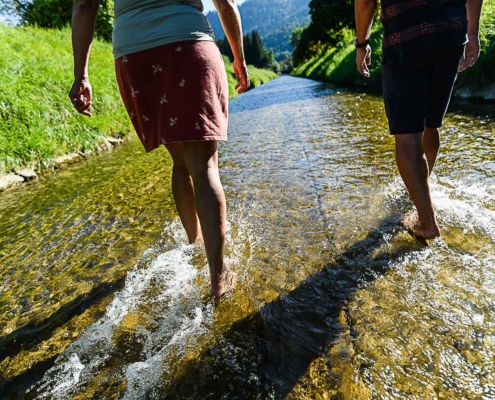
[[462, 64], [241, 86], [363, 69], [86, 113], [82, 104], [366, 72], [82, 108], [245, 87], [466, 62], [78, 102]]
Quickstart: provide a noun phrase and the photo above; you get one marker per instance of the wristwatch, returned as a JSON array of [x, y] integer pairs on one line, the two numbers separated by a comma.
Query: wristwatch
[[361, 45]]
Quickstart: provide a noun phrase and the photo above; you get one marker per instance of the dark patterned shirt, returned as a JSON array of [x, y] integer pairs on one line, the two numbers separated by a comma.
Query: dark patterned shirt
[[423, 24]]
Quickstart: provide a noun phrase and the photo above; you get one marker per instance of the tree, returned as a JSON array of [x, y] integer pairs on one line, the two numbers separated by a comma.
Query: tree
[[57, 14], [295, 37], [259, 51], [328, 20], [224, 47], [254, 51]]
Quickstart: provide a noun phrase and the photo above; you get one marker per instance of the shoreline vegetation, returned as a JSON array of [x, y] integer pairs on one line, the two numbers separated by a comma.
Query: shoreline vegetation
[[336, 64], [39, 129]]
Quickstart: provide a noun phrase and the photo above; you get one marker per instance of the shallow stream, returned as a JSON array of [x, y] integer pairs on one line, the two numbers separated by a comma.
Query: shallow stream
[[101, 297]]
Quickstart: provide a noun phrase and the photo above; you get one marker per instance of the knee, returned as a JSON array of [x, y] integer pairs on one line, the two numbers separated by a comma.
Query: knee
[[197, 169], [201, 158], [408, 141], [408, 145]]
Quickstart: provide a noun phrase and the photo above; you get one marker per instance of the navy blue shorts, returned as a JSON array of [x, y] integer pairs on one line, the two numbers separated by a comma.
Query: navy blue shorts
[[417, 86]]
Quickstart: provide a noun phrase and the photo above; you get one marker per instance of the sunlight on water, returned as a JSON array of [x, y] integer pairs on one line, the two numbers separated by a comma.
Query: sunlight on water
[[159, 315], [335, 299]]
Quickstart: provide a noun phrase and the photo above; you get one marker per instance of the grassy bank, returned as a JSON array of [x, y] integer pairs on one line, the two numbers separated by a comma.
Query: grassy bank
[[337, 64], [258, 76], [37, 121]]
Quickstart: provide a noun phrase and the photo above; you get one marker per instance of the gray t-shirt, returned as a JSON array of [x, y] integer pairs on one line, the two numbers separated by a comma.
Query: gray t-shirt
[[144, 24]]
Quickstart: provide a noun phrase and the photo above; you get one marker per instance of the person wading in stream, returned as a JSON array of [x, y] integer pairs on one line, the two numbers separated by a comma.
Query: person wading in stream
[[424, 46], [173, 82]]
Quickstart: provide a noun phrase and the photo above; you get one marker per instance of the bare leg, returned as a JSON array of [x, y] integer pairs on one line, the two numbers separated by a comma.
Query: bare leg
[[183, 191], [413, 168], [202, 163], [431, 145]]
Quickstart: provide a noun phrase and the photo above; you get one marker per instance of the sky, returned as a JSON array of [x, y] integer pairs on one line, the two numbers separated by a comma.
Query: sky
[[209, 4]]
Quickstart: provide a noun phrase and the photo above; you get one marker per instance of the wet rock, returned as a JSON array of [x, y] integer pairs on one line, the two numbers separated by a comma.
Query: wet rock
[[10, 180], [67, 160], [104, 145], [114, 141], [27, 174], [130, 336]]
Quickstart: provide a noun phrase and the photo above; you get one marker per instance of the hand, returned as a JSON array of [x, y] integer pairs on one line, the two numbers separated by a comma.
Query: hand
[[363, 60], [471, 53], [80, 96], [242, 75]]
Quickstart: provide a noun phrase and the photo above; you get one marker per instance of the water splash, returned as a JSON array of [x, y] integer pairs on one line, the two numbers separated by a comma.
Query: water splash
[[159, 308], [157, 318]]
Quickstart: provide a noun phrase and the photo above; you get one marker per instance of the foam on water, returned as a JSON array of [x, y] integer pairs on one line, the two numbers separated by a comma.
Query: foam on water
[[164, 297], [170, 275], [466, 206]]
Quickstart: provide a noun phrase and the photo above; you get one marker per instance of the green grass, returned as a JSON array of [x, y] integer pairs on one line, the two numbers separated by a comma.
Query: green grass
[[37, 121], [337, 64], [482, 74], [258, 76]]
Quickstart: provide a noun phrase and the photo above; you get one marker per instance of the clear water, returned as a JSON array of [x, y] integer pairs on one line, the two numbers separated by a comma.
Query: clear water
[[102, 298]]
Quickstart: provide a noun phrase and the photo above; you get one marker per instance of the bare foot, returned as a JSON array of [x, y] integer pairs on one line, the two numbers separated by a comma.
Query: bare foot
[[223, 284], [414, 226]]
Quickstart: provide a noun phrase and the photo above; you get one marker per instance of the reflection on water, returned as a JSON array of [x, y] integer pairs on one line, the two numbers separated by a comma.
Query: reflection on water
[[102, 297]]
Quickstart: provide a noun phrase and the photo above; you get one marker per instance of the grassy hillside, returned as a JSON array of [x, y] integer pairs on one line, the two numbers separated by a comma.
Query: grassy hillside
[[273, 19], [337, 64], [37, 121], [479, 80]]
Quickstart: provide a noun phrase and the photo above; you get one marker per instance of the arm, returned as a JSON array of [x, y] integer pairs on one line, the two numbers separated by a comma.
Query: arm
[[472, 51], [364, 11], [231, 22], [83, 27]]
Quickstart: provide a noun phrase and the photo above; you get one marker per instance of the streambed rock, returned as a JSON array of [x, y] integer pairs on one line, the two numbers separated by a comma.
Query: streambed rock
[[67, 160], [27, 174], [114, 141], [130, 336], [9, 180]]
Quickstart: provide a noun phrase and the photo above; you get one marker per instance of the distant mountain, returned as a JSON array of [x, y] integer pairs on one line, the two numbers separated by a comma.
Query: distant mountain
[[273, 19]]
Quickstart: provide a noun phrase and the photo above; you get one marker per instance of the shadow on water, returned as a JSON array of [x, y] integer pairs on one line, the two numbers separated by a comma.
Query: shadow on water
[[266, 354], [31, 335]]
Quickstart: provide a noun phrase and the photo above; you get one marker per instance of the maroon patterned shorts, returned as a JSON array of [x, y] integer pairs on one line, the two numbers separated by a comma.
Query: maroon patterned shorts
[[177, 92]]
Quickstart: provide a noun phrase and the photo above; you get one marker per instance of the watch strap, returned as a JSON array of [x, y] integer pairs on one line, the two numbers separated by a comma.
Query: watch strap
[[361, 45]]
